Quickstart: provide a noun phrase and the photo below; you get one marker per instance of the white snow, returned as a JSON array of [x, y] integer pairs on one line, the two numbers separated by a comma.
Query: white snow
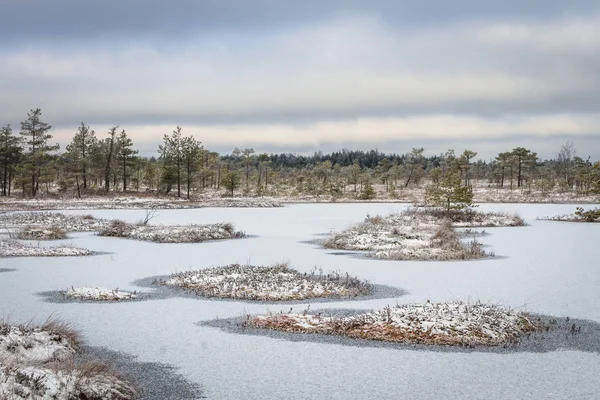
[[266, 283], [551, 267], [43, 383], [12, 248], [22, 344], [98, 294]]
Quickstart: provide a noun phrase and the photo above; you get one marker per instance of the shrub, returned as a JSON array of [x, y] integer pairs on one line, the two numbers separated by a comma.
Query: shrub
[[589, 215]]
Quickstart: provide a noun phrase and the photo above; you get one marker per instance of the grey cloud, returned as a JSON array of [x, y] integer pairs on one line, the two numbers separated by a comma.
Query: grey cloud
[[42, 20]]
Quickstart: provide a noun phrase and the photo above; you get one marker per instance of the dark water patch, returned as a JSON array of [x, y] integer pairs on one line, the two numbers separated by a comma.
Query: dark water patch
[[556, 334], [155, 381], [165, 292]]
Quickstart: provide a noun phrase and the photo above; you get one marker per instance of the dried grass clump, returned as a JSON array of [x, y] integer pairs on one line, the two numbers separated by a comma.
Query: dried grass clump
[[448, 324], [275, 283], [27, 343], [117, 228], [39, 362], [36, 233]]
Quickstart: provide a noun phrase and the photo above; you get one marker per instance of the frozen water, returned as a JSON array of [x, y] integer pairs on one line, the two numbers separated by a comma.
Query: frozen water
[[549, 267]]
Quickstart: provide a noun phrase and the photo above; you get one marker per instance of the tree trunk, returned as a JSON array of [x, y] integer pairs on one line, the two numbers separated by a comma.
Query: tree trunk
[[77, 182], [179, 179]]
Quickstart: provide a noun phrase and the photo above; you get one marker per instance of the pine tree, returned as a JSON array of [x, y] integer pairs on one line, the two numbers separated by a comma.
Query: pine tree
[[450, 193], [523, 158], [231, 181], [125, 156], [36, 135], [190, 151], [108, 146], [81, 149], [10, 152], [171, 152]]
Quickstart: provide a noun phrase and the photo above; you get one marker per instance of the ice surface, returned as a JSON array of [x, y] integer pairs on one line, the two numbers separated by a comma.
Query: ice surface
[[549, 267]]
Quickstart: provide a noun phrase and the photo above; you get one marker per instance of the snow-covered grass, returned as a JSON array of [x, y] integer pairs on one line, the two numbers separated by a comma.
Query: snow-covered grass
[[98, 294], [38, 362], [275, 283], [48, 220], [172, 234], [453, 324], [34, 233], [472, 218], [409, 235], [52, 341], [12, 248]]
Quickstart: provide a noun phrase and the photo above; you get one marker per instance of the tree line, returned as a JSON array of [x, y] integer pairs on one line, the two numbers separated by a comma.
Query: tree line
[[30, 163]]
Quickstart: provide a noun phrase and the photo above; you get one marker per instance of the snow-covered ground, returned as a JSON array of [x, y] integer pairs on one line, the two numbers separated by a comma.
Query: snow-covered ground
[[98, 294], [132, 202], [13, 248], [279, 282], [419, 234], [47, 220], [548, 266], [172, 233], [454, 323]]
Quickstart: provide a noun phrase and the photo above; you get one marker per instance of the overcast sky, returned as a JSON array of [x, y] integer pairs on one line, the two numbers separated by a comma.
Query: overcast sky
[[312, 75]]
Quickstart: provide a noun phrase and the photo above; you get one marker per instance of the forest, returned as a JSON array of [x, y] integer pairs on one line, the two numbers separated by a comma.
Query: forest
[[31, 164]]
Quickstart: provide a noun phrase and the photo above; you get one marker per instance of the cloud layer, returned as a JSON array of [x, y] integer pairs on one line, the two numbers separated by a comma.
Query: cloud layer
[[340, 74]]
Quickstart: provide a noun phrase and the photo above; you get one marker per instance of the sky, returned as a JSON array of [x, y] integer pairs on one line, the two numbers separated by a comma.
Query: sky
[[310, 76]]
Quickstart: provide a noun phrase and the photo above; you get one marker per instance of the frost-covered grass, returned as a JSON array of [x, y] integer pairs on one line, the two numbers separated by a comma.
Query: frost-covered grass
[[98, 294], [29, 344], [35, 233], [475, 219], [274, 283], [38, 363], [12, 248], [172, 234], [49, 220], [409, 235], [452, 324]]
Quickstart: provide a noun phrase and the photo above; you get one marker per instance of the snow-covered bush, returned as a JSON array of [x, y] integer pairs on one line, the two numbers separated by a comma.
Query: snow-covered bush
[[409, 235], [275, 283], [35, 233], [172, 234], [453, 324]]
